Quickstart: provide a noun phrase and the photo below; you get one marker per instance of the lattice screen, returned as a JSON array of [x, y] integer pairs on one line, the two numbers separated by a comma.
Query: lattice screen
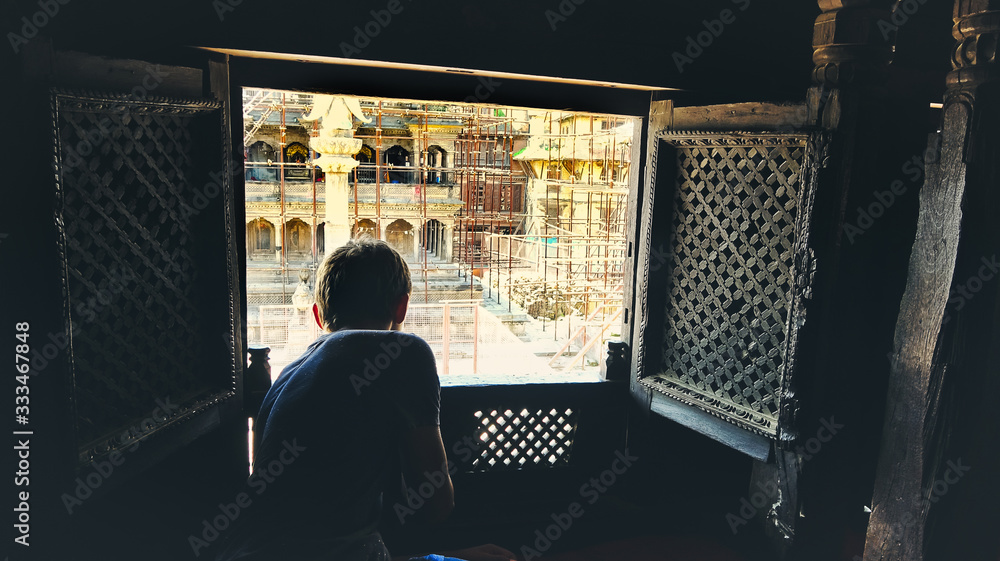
[[524, 439], [729, 261], [133, 243]]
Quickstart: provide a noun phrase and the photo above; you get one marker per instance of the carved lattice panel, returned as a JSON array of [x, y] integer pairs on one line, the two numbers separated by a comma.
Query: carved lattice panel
[[523, 438], [136, 215], [733, 241]]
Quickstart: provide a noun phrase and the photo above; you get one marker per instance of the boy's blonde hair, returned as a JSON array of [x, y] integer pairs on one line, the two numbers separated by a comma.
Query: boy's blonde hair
[[360, 282]]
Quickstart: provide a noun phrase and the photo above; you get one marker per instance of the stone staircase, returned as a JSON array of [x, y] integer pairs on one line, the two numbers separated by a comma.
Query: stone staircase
[[436, 280]]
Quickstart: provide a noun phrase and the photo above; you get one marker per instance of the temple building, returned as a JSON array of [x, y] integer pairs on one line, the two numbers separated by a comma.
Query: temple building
[[487, 203]]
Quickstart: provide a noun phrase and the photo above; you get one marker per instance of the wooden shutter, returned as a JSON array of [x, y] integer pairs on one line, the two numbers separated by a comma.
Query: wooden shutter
[[724, 270], [146, 236]]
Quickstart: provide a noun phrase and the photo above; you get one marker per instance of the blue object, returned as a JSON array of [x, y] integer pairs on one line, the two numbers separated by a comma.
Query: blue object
[[434, 557]]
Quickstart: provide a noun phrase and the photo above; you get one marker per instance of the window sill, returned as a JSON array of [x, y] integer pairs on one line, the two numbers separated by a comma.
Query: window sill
[[756, 446], [516, 379]]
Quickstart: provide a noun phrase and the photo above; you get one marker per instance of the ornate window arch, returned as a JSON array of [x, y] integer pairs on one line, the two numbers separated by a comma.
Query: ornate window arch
[[260, 157], [397, 157], [296, 153], [437, 158], [297, 158], [260, 238], [399, 234], [364, 228], [366, 164], [298, 238]]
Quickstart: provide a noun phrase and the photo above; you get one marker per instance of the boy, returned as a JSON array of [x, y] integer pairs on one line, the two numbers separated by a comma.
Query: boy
[[358, 410]]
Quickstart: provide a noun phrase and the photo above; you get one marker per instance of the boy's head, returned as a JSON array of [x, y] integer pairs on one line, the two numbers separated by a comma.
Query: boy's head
[[362, 285]]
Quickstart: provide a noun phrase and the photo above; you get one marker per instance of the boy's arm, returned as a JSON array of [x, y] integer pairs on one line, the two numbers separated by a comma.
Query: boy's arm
[[425, 461]]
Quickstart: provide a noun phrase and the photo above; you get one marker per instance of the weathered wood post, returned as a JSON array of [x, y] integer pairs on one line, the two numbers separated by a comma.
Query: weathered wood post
[[936, 493]]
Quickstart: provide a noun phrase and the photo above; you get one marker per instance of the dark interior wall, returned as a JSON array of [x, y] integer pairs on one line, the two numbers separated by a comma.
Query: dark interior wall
[[764, 50], [763, 54]]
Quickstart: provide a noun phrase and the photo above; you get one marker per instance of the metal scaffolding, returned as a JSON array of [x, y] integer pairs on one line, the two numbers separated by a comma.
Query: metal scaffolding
[[521, 208]]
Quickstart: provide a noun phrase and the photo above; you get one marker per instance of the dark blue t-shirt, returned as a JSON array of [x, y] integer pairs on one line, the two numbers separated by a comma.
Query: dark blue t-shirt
[[328, 439]]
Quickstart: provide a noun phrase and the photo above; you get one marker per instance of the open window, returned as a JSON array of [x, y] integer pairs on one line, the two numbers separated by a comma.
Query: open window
[[512, 226], [703, 266]]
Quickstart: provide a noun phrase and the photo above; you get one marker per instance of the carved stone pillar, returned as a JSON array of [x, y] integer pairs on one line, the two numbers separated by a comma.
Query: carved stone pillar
[[447, 243], [936, 494], [338, 147], [416, 244]]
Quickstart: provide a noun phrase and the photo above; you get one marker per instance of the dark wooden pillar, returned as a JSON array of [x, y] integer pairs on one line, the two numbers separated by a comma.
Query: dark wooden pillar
[[825, 478], [936, 494]]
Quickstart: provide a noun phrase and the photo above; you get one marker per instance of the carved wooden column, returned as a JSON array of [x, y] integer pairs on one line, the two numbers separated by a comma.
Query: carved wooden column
[[936, 495], [824, 479], [849, 46]]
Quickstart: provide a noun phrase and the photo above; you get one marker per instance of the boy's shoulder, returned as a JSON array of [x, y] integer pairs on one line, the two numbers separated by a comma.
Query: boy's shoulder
[[395, 358], [373, 336], [382, 350], [375, 342]]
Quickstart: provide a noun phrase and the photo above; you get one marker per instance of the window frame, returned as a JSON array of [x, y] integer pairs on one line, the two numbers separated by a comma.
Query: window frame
[[365, 78], [648, 333]]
